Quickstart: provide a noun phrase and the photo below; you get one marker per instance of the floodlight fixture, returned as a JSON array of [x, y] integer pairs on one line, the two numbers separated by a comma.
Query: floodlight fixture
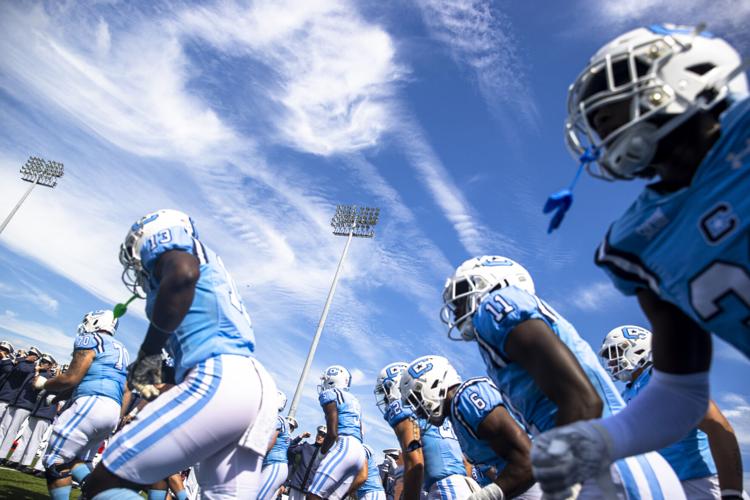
[[36, 171], [350, 221], [354, 220]]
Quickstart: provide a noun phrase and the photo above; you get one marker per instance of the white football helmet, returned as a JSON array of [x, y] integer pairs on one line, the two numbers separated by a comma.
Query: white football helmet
[[47, 358], [282, 400], [152, 226], [6, 346], [386, 386], [293, 424], [626, 349], [472, 280], [664, 74], [98, 321], [335, 377], [424, 386]]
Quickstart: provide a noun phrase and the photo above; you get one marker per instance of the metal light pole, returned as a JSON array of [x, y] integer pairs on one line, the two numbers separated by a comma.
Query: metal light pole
[[36, 171], [350, 221]]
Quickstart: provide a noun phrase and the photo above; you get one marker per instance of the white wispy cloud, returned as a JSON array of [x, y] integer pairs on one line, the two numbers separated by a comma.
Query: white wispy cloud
[[737, 410], [24, 333], [135, 139], [27, 292], [481, 39], [717, 13], [593, 296], [475, 237]]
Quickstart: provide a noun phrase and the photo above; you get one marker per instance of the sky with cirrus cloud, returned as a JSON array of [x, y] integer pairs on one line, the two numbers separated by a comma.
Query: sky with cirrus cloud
[[258, 117]]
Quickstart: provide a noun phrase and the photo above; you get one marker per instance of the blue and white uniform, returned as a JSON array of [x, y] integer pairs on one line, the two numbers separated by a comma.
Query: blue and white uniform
[[345, 459], [275, 465], [498, 313], [473, 401], [95, 409], [709, 222], [444, 472], [690, 457], [372, 488], [218, 381]]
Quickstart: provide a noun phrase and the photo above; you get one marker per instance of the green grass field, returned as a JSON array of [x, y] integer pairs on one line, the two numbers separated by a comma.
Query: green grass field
[[18, 486]]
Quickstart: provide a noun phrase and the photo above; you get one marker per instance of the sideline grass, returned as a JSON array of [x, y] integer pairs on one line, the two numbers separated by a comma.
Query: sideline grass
[[16, 485]]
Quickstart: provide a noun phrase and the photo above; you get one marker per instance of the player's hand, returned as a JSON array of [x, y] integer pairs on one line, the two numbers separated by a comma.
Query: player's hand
[[144, 374], [567, 456], [305, 435]]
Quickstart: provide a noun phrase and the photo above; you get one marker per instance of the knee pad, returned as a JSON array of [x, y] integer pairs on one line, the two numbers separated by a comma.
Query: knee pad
[[53, 474]]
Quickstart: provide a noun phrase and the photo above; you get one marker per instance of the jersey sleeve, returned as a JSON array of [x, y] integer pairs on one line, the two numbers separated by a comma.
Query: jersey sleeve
[[170, 238], [327, 396], [618, 256], [92, 341], [473, 402], [500, 312], [397, 413]]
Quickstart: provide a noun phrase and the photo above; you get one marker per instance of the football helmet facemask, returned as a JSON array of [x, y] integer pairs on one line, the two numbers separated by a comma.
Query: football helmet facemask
[[135, 277], [424, 386], [659, 76], [98, 321], [386, 386], [626, 349], [472, 280]]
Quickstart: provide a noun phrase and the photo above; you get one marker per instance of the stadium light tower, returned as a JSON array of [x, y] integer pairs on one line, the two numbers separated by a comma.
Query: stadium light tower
[[350, 221], [36, 171]]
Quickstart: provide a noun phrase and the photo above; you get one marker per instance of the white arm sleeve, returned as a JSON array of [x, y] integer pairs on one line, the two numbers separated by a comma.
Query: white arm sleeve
[[663, 413]]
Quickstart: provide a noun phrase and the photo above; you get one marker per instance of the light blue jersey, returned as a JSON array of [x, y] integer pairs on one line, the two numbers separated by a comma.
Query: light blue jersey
[[498, 314], [350, 413], [691, 456], [690, 247], [217, 322], [396, 412], [440, 447], [441, 451], [472, 402], [277, 454], [107, 373], [373, 482]]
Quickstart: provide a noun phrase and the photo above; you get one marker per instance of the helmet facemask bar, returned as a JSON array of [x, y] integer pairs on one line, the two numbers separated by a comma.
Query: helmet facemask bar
[[648, 94], [134, 276], [461, 298], [613, 357]]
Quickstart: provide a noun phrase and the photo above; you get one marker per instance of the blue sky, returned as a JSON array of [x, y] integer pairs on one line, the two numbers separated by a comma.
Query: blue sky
[[258, 118]]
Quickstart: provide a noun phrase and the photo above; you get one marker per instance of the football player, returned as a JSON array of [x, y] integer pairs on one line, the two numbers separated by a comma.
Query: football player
[[707, 460], [548, 374], [372, 488], [667, 103], [96, 377], [275, 466], [433, 460], [487, 431], [342, 447], [194, 310]]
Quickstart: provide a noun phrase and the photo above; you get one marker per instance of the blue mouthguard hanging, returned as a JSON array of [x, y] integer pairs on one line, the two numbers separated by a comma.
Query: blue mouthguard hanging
[[562, 200]]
